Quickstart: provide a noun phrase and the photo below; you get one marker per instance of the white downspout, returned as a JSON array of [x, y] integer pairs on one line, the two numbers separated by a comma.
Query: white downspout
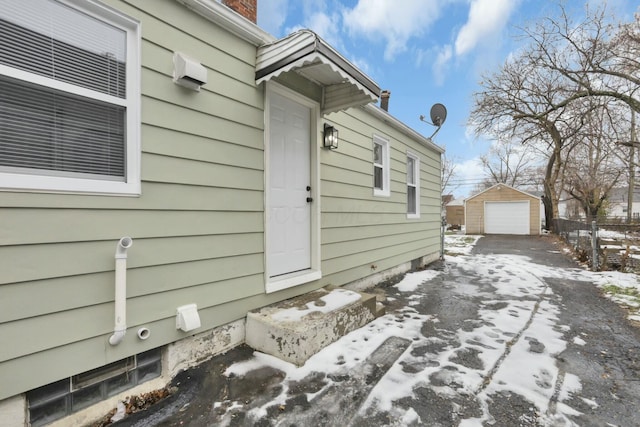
[[121, 290]]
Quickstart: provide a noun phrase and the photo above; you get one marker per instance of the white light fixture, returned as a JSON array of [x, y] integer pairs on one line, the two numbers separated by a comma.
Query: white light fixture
[[330, 137]]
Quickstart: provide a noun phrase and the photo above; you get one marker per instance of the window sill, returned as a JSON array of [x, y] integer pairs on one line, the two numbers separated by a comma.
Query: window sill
[[291, 280], [53, 184], [381, 193]]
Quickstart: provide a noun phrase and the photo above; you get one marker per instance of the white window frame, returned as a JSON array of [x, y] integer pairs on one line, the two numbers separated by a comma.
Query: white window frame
[[385, 191], [33, 182], [415, 184]]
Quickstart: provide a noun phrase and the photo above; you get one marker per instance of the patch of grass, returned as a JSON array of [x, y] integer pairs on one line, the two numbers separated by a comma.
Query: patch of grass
[[617, 290], [628, 298]]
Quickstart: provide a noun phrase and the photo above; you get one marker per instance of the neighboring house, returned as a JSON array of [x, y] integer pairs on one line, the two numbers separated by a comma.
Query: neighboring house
[[455, 212], [227, 192], [569, 208], [446, 198], [618, 203], [502, 209]]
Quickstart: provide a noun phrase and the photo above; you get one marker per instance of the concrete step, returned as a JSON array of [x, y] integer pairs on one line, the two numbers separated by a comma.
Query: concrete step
[[296, 329]]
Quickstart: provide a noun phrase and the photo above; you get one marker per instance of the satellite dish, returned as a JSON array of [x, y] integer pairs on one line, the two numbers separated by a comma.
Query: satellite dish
[[438, 114]]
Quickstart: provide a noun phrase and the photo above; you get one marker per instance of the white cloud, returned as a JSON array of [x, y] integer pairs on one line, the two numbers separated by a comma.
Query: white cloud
[[468, 174], [441, 64], [317, 19], [325, 26], [363, 65], [272, 15], [486, 19], [392, 22]]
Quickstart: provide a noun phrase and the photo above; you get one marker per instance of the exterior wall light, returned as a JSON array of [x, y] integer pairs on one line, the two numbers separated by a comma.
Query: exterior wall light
[[330, 137]]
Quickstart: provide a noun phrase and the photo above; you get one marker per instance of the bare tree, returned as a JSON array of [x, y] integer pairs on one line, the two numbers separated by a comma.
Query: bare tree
[[600, 58], [448, 174], [596, 165], [507, 162], [628, 152], [516, 103], [542, 94]]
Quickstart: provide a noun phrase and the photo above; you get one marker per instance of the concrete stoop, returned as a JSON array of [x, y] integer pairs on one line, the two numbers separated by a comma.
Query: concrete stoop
[[294, 330]]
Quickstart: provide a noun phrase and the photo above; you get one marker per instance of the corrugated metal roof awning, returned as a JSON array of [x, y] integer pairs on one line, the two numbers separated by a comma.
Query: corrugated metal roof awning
[[306, 54]]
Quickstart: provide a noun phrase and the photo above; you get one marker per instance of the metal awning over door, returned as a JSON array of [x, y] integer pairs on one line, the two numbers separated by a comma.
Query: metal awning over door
[[306, 54]]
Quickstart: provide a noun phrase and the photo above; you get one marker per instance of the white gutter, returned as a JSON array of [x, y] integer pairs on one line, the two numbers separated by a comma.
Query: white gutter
[[121, 290]]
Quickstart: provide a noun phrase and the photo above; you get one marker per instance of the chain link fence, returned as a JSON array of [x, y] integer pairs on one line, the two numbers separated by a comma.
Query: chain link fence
[[603, 245], [579, 235]]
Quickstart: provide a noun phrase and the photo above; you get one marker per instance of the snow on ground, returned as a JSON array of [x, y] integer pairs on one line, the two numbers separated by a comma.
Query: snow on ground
[[332, 301], [519, 341], [340, 357], [621, 288], [459, 244], [411, 281], [515, 339], [611, 234], [579, 341]]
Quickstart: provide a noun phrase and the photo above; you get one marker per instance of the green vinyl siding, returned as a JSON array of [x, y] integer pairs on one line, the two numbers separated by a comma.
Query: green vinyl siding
[[198, 226], [355, 269], [142, 281], [363, 234], [22, 263], [91, 224], [157, 196], [35, 369]]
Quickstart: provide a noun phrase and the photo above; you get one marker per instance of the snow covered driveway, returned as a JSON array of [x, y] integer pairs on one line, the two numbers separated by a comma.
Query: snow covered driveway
[[506, 332]]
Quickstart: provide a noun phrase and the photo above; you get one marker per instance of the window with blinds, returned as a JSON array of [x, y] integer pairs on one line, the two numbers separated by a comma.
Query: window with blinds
[[69, 97], [413, 186]]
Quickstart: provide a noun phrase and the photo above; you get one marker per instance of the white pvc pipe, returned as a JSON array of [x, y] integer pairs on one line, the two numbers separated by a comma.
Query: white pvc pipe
[[121, 290]]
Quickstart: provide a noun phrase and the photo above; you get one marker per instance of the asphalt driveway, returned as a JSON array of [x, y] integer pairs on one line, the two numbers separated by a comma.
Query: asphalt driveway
[[506, 332]]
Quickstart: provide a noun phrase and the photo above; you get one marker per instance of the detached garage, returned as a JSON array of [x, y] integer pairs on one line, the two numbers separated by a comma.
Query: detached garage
[[502, 209]]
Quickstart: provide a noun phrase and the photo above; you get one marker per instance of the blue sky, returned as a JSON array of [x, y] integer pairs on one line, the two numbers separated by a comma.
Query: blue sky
[[424, 52]]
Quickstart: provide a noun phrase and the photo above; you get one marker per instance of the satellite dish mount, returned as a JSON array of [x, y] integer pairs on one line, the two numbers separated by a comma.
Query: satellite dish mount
[[438, 115]]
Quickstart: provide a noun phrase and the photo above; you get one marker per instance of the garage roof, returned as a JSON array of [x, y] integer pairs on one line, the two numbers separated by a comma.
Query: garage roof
[[505, 186], [306, 54]]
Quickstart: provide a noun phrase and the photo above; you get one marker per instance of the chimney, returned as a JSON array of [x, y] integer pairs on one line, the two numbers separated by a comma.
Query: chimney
[[246, 8], [384, 100]]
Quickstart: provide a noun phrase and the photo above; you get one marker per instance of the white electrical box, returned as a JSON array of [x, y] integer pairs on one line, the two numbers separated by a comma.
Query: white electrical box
[[188, 72]]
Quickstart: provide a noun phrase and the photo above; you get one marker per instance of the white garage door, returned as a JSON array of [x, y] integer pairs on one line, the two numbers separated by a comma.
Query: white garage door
[[506, 217]]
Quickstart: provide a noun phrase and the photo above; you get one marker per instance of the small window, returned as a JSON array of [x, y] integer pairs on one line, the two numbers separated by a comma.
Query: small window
[[413, 186], [380, 167], [69, 98], [57, 400]]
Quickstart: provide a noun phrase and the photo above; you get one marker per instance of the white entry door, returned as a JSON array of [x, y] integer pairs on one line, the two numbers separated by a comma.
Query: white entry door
[[289, 187]]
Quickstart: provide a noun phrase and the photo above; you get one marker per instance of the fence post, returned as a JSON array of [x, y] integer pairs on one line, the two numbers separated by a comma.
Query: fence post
[[443, 229], [594, 246]]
